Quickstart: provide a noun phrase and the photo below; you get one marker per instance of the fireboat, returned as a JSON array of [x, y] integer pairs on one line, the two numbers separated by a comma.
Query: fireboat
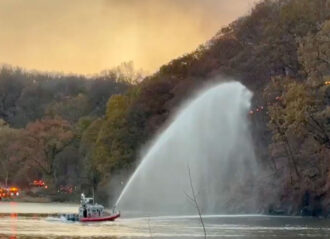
[[91, 212]]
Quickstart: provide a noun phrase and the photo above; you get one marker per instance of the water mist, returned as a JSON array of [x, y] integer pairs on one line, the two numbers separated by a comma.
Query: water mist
[[210, 137]]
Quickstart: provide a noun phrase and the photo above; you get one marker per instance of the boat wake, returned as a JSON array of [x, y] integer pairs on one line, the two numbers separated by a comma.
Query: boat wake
[[211, 216]]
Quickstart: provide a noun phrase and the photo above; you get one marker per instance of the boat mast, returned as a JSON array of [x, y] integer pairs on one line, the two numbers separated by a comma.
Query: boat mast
[[93, 195]]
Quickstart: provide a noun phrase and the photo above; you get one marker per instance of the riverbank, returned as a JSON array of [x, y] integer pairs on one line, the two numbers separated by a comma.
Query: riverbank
[[29, 199], [43, 198]]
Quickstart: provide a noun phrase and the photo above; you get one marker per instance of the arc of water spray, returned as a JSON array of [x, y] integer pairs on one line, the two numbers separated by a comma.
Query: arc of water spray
[[211, 133]]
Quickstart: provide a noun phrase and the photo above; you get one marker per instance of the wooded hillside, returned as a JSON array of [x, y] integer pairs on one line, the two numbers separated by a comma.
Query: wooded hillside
[[281, 51]]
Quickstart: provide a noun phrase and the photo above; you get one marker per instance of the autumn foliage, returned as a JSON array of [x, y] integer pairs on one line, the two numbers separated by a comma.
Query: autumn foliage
[[68, 128]]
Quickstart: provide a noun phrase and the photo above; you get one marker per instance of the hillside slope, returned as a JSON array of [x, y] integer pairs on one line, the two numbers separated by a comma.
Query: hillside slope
[[66, 130], [281, 52]]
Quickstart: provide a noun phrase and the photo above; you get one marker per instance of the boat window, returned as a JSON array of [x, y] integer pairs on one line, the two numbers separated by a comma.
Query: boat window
[[85, 213]]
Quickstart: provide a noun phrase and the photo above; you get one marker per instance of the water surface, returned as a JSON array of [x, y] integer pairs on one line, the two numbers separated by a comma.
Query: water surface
[[39, 225]]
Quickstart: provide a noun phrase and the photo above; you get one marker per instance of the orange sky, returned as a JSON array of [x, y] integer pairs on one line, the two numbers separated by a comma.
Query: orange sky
[[88, 36]]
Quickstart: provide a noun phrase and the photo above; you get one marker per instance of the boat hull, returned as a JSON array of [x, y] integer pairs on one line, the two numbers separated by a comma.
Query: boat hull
[[100, 219]]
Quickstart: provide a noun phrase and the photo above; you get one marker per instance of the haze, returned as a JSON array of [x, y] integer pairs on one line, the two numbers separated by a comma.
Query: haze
[[87, 36]]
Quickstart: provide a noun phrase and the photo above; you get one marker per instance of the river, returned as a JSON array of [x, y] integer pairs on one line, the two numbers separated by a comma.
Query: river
[[36, 220]]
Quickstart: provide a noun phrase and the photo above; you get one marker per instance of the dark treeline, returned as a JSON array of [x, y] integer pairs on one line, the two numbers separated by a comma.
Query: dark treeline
[[42, 118], [281, 51], [26, 96]]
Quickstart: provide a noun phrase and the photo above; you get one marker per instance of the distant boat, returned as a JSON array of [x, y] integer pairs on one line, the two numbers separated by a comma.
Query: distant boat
[[91, 212]]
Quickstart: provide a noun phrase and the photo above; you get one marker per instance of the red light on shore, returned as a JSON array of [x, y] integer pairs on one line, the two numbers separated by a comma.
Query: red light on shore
[[46, 186], [13, 189], [38, 183]]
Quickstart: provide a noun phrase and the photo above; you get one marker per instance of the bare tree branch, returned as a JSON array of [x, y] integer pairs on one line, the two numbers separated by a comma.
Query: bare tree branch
[[150, 232], [194, 200], [189, 197]]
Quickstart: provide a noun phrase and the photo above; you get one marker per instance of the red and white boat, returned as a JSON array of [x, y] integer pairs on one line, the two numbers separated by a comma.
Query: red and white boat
[[100, 219], [91, 212]]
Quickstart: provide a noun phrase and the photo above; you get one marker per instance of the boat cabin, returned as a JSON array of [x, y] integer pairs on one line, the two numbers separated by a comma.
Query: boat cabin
[[88, 209]]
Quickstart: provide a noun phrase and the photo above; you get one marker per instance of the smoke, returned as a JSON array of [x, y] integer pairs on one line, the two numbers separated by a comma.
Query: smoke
[[92, 35]]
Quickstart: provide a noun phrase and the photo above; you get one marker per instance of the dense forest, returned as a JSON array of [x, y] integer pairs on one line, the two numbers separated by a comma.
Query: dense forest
[[89, 132], [43, 118]]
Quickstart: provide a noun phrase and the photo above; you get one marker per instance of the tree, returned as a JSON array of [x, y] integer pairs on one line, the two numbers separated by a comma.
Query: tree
[[43, 140], [288, 115], [70, 108], [8, 163], [125, 73], [110, 147], [89, 134], [314, 55], [11, 86]]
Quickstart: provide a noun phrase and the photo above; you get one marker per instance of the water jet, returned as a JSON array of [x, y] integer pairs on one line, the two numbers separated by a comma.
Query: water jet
[[211, 134]]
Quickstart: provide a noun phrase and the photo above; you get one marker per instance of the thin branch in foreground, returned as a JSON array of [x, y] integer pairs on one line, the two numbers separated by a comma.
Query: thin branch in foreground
[[189, 197], [150, 232], [193, 198]]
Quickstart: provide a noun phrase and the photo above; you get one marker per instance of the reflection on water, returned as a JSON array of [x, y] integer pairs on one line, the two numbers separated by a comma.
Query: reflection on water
[[41, 208], [249, 227]]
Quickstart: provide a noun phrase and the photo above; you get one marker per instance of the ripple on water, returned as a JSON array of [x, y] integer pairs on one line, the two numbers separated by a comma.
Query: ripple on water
[[252, 227]]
